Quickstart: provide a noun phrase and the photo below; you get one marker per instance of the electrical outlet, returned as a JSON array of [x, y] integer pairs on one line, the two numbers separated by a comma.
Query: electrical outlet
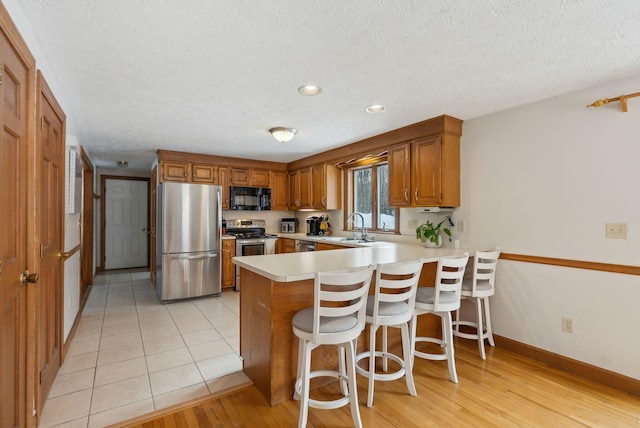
[[460, 226], [616, 231], [413, 224], [567, 324]]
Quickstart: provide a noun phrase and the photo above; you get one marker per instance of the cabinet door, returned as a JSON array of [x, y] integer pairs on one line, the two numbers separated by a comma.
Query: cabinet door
[[202, 173], [287, 245], [175, 171], [223, 180], [278, 191], [319, 187], [322, 246], [426, 167], [239, 177], [228, 268], [260, 177], [399, 175], [306, 188], [294, 190]]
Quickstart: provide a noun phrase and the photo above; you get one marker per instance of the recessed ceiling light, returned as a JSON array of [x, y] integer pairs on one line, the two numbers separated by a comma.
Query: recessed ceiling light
[[376, 108], [310, 90]]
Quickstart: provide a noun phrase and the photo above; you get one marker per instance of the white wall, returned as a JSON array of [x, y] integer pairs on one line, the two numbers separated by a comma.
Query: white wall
[[543, 179]]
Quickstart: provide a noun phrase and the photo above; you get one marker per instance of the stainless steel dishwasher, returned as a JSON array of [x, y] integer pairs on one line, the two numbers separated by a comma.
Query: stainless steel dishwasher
[[303, 246]]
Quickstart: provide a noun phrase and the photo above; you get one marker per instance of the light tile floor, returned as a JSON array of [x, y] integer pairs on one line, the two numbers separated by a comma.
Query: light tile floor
[[132, 355]]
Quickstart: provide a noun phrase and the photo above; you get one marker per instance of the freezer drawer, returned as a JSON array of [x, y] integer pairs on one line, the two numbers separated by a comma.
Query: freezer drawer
[[186, 275]]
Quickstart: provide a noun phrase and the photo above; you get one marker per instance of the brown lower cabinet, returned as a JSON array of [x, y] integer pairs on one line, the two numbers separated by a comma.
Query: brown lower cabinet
[[322, 246], [228, 268], [286, 245]]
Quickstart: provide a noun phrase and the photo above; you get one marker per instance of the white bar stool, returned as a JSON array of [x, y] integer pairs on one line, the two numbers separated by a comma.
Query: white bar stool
[[479, 288], [441, 300], [391, 305], [337, 318]]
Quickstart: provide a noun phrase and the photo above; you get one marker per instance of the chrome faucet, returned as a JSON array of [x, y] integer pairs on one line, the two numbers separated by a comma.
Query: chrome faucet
[[363, 235]]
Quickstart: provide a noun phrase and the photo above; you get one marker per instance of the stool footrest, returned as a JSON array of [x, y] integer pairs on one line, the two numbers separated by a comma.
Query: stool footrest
[[381, 376], [429, 356], [327, 404], [464, 335]]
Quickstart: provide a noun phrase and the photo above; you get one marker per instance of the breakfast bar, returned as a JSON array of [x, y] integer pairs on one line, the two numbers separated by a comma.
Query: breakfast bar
[[275, 287]]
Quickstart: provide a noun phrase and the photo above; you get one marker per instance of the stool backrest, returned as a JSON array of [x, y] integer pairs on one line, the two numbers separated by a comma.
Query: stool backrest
[[484, 268], [449, 277], [396, 282], [340, 293]]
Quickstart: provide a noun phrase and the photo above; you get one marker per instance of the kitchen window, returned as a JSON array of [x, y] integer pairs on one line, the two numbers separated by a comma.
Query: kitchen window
[[368, 195]]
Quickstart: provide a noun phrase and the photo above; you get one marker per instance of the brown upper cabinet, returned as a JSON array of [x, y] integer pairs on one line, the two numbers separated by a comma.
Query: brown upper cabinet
[[279, 200], [249, 177], [187, 172], [301, 189], [425, 172], [223, 180], [326, 187]]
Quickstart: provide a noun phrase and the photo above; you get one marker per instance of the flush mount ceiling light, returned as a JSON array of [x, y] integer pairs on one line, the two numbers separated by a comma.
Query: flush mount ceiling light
[[310, 90], [123, 164], [375, 108], [283, 134]]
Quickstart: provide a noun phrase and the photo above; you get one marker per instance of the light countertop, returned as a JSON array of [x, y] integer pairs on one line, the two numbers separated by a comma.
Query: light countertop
[[300, 266]]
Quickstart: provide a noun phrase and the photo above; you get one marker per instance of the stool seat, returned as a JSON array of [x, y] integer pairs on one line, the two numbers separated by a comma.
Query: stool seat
[[391, 305], [337, 318]]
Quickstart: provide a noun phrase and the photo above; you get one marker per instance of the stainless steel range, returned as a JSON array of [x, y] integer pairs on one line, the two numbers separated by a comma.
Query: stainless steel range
[[251, 240]]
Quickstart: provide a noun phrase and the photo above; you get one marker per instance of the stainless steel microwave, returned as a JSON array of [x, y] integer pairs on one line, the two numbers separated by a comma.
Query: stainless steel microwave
[[250, 198]]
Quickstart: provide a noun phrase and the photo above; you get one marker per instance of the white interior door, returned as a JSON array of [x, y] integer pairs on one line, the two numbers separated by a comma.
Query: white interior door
[[125, 219]]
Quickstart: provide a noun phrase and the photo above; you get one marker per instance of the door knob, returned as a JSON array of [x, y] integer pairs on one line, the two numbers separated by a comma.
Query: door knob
[[27, 277], [62, 255]]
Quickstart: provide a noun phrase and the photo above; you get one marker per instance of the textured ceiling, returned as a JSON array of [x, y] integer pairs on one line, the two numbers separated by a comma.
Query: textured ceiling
[[212, 76]]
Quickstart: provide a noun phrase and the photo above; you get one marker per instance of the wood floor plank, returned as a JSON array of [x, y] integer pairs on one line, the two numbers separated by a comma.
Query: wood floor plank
[[506, 390]]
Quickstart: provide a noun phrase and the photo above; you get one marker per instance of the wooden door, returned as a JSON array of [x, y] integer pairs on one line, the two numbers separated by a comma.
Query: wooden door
[[126, 241], [16, 118], [426, 171], [399, 175], [153, 219], [228, 268], [50, 151], [86, 249]]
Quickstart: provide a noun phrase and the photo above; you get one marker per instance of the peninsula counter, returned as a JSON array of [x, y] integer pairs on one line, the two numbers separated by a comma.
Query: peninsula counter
[[275, 287]]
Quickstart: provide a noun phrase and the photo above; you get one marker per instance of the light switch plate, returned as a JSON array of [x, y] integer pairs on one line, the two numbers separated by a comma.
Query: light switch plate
[[616, 231]]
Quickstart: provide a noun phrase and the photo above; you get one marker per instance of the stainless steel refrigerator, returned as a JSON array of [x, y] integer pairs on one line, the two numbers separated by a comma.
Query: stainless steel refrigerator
[[189, 237]]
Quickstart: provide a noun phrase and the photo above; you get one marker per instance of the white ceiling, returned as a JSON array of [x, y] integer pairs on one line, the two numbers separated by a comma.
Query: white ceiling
[[212, 76]]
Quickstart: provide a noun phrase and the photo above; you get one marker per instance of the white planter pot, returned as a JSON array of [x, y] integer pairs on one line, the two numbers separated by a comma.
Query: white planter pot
[[430, 244]]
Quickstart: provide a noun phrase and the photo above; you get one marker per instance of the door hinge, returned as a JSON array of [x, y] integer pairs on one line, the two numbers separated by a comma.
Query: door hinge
[[42, 123], [40, 378], [441, 195], [41, 250], [0, 269], [1, 74]]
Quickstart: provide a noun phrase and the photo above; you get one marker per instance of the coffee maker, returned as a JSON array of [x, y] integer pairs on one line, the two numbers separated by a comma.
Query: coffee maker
[[313, 225]]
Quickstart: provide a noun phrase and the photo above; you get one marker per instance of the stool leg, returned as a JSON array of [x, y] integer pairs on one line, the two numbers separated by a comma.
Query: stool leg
[[385, 360], [480, 328], [304, 393], [341, 368], [406, 354], [353, 387], [414, 322], [296, 395], [372, 363], [487, 317], [448, 334]]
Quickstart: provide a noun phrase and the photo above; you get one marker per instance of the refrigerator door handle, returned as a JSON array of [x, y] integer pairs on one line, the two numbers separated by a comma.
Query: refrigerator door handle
[[205, 256]]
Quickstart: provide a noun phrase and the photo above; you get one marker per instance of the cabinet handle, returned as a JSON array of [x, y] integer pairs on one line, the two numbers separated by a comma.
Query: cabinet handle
[[323, 201], [406, 195], [416, 193]]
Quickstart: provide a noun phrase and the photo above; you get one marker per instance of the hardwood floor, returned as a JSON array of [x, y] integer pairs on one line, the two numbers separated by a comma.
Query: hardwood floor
[[506, 390]]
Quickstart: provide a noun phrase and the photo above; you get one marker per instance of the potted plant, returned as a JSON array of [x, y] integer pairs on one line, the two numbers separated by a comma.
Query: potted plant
[[430, 234]]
